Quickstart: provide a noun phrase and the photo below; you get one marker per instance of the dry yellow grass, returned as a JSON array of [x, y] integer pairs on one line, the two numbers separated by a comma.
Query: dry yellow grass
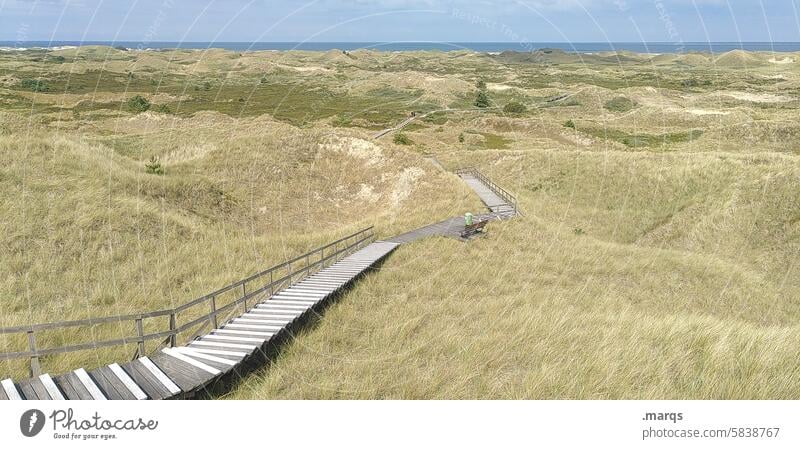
[[657, 257]]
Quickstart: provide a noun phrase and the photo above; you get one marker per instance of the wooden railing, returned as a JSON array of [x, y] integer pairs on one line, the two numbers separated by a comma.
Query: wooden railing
[[187, 319], [509, 199]]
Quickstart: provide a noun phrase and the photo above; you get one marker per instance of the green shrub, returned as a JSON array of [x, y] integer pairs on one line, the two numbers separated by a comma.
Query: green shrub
[[402, 139], [461, 138], [482, 100], [154, 167], [33, 85], [569, 124], [162, 108], [138, 104], [620, 104], [481, 84], [515, 108]]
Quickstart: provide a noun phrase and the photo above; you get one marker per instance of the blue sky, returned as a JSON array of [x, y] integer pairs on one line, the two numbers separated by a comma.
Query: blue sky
[[401, 20]]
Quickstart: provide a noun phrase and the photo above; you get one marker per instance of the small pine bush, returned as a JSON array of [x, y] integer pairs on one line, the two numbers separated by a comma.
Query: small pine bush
[[154, 167], [482, 100]]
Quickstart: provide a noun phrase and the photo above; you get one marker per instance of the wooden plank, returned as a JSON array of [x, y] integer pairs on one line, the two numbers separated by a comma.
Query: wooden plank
[[223, 345], [108, 385], [162, 377], [302, 293], [263, 320], [94, 390], [293, 301], [185, 375], [222, 353], [146, 381], [196, 363], [39, 388], [66, 388], [288, 308], [250, 322], [127, 382], [310, 288], [251, 326], [321, 284], [51, 387], [10, 390], [266, 335], [197, 354], [27, 390], [209, 369], [73, 387], [289, 316], [223, 367], [309, 297], [234, 339]]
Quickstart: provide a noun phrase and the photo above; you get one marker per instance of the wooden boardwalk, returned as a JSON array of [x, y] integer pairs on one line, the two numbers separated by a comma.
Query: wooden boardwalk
[[246, 340], [490, 198], [185, 371]]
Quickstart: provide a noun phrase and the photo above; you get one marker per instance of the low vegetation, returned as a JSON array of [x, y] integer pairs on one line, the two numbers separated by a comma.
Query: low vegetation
[[656, 257]]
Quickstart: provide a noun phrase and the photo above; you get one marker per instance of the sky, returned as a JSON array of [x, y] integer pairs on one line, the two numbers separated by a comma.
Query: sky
[[520, 21]]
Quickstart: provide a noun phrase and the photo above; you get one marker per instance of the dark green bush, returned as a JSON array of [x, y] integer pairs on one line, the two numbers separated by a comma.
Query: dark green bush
[[515, 108], [33, 85], [482, 100], [138, 104], [402, 139], [620, 104]]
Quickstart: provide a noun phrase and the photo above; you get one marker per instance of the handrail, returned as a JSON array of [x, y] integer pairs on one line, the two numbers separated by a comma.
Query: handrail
[[510, 199], [272, 279]]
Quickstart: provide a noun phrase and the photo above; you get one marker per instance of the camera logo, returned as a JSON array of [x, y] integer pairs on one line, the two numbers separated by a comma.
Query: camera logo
[[31, 422]]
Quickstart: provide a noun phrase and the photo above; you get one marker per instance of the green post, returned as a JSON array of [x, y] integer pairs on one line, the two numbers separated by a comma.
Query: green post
[[468, 219]]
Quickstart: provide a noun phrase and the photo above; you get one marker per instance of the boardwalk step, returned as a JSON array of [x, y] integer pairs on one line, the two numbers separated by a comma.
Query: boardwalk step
[[50, 386], [127, 382]]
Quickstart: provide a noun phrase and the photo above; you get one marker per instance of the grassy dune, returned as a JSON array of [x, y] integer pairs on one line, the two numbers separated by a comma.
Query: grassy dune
[[657, 257]]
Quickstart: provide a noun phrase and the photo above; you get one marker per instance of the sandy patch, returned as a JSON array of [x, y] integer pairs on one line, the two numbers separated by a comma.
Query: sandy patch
[[405, 184], [498, 87], [362, 149], [306, 69], [786, 60], [757, 98], [368, 194], [707, 112]]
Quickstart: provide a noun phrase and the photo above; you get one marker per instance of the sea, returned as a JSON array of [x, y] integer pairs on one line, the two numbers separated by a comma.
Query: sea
[[488, 47]]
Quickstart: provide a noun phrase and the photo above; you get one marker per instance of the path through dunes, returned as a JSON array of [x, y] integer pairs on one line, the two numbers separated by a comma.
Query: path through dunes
[[228, 351]]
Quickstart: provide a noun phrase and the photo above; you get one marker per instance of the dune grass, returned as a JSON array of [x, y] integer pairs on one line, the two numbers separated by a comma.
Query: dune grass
[[665, 272]]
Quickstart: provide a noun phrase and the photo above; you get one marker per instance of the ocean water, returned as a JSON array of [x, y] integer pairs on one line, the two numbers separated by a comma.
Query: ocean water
[[578, 47]]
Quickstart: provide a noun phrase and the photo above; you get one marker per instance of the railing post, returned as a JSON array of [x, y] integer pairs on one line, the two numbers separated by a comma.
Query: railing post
[[140, 334], [36, 370], [213, 316], [244, 296], [172, 334], [271, 284]]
